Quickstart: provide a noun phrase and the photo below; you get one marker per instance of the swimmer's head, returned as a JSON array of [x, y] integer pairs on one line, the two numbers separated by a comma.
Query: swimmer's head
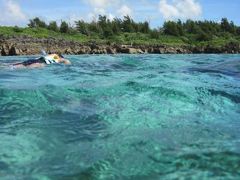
[[54, 57], [58, 58]]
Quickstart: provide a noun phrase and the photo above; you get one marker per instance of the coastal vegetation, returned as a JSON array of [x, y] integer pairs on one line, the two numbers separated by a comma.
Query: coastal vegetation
[[126, 31]]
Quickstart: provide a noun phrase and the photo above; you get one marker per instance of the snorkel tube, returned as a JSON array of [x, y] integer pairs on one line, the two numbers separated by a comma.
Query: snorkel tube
[[43, 52]]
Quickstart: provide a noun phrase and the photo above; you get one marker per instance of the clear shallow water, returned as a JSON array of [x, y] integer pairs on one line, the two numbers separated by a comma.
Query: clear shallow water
[[122, 117]]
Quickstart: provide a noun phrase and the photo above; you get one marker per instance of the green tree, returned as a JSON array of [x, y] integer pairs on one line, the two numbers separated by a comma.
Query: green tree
[[92, 27], [180, 27], [238, 31], [233, 28], [116, 25], [64, 28], [171, 28], [207, 27], [227, 27], [145, 27], [191, 27], [37, 23], [53, 26], [105, 25], [127, 24], [82, 27], [102, 20]]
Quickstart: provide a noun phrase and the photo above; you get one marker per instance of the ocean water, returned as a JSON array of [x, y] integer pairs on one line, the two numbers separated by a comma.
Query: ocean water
[[137, 117]]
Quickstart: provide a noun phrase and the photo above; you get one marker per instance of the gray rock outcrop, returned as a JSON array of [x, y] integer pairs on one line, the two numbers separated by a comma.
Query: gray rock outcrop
[[24, 45]]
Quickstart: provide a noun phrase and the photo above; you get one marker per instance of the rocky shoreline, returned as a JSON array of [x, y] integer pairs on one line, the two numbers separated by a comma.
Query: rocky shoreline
[[24, 45]]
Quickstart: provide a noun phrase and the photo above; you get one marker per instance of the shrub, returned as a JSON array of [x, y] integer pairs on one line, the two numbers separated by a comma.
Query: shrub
[[202, 36], [17, 29]]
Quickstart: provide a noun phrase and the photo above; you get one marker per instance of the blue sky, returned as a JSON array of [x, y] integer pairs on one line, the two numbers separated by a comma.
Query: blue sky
[[18, 12]]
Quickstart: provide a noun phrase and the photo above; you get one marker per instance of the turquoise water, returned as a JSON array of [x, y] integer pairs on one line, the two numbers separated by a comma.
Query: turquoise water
[[122, 117]]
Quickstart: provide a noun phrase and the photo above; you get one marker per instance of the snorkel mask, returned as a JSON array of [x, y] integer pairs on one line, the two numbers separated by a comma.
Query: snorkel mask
[[53, 58]]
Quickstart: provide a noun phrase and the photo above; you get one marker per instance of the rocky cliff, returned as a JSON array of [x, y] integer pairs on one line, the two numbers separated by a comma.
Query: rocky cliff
[[25, 45]]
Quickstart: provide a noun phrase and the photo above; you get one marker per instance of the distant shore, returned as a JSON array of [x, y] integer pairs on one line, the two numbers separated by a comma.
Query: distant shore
[[24, 45], [121, 36]]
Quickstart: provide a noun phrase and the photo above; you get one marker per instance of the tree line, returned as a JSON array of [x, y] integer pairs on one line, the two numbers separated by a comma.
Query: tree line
[[205, 30], [104, 27]]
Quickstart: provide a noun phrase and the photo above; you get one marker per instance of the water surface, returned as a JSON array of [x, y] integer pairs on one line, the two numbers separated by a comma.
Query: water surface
[[122, 117]]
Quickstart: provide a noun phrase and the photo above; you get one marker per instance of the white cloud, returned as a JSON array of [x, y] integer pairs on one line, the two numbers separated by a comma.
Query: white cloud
[[99, 11], [102, 7], [125, 11], [101, 3], [111, 17], [180, 9], [71, 19], [11, 13], [107, 8], [96, 12]]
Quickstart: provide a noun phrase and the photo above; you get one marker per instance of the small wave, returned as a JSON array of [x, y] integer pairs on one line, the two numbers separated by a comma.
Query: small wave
[[233, 97], [230, 68], [161, 91], [74, 127]]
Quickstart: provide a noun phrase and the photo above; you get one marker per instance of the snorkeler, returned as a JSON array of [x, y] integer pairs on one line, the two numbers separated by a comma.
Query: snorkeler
[[42, 61]]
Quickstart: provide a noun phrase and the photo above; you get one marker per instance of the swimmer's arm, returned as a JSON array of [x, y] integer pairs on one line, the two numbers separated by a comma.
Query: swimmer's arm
[[35, 65], [18, 65], [67, 62]]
